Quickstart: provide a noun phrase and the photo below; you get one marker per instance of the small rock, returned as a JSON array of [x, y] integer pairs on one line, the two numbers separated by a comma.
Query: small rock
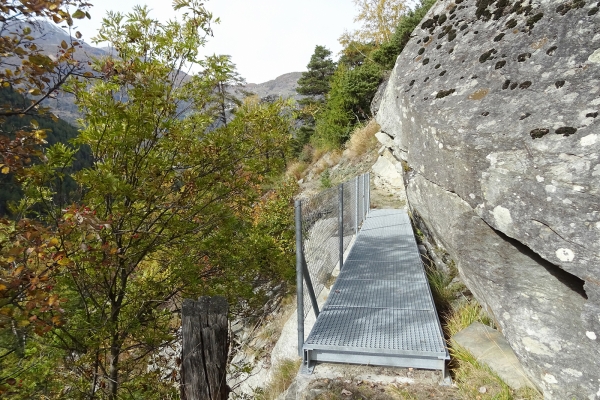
[[346, 392], [482, 389], [347, 381]]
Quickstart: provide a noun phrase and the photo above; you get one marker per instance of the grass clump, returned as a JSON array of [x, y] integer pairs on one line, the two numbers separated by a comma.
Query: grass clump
[[478, 381], [362, 139], [283, 376], [441, 287], [326, 179], [465, 314], [297, 169]]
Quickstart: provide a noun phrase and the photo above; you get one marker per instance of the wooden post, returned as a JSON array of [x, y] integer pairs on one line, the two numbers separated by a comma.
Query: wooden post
[[205, 349]]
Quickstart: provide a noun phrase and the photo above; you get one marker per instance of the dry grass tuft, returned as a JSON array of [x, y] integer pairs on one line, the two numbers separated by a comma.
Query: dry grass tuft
[[283, 377], [465, 314], [327, 160], [478, 381], [362, 139], [297, 169]]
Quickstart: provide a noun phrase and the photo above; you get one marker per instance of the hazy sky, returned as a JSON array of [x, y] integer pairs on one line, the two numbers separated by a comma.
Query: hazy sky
[[265, 38]]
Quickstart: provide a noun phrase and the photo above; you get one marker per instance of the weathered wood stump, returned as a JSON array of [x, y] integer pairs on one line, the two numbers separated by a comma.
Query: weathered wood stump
[[205, 349]]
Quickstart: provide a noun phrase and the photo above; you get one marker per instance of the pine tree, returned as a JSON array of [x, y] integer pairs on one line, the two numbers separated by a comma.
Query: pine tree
[[315, 81]]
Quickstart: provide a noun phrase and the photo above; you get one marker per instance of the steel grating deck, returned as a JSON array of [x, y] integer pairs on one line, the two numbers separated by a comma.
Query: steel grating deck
[[380, 310]]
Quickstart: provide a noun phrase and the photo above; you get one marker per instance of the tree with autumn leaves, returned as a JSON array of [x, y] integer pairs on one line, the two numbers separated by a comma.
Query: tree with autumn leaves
[[170, 208], [26, 69]]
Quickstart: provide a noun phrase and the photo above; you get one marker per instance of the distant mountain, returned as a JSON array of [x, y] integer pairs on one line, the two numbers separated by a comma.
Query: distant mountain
[[284, 86], [49, 37]]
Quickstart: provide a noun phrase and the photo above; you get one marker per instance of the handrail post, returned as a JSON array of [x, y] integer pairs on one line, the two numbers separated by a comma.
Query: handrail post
[[364, 195], [341, 223], [299, 277], [368, 192], [356, 205]]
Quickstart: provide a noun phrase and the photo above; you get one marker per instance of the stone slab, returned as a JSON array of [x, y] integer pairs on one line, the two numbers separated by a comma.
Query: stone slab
[[490, 348]]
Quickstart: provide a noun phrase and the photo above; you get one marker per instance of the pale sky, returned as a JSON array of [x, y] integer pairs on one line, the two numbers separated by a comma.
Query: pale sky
[[265, 38]]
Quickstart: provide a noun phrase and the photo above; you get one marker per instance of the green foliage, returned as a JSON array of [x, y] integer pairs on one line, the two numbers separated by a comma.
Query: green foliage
[[347, 103], [326, 179], [334, 123], [170, 212], [221, 71], [315, 81], [315, 84], [54, 130], [386, 54], [355, 53]]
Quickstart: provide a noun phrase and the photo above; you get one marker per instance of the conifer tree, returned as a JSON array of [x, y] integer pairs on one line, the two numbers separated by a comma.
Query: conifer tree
[[315, 81]]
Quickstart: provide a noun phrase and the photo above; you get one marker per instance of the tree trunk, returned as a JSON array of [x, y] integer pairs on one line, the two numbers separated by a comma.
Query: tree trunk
[[205, 349]]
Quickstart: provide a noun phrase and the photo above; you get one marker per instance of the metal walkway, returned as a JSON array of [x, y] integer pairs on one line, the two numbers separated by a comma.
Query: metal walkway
[[380, 310]]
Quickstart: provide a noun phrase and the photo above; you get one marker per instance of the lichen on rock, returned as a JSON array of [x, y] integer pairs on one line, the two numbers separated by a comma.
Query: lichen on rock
[[504, 151]]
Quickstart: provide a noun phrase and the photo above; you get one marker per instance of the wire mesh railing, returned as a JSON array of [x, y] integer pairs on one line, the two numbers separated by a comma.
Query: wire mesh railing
[[325, 225]]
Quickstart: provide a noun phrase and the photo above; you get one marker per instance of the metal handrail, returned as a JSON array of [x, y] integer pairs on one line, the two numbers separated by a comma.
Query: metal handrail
[[316, 227]]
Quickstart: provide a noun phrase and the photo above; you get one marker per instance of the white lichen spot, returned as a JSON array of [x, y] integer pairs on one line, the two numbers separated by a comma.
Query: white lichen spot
[[550, 188], [591, 335], [441, 145], [565, 255], [596, 171], [577, 188], [533, 346], [502, 217], [572, 372], [567, 201], [506, 315], [550, 379], [548, 198], [471, 195], [595, 57], [589, 140], [569, 98], [539, 178]]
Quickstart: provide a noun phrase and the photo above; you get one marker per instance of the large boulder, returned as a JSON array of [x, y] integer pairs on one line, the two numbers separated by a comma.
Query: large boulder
[[494, 105]]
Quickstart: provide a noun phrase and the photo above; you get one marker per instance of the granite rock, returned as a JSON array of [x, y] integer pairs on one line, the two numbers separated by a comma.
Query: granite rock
[[494, 104]]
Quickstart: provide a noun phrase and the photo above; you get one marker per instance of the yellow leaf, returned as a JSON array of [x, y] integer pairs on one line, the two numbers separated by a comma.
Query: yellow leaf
[[40, 134], [64, 261], [79, 14], [64, 45], [5, 170], [78, 35], [2, 287], [53, 242]]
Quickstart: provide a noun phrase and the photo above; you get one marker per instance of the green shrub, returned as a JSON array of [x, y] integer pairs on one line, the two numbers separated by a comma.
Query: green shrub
[[387, 53]]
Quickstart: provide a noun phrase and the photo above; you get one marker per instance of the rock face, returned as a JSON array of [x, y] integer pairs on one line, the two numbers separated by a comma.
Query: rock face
[[494, 106]]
